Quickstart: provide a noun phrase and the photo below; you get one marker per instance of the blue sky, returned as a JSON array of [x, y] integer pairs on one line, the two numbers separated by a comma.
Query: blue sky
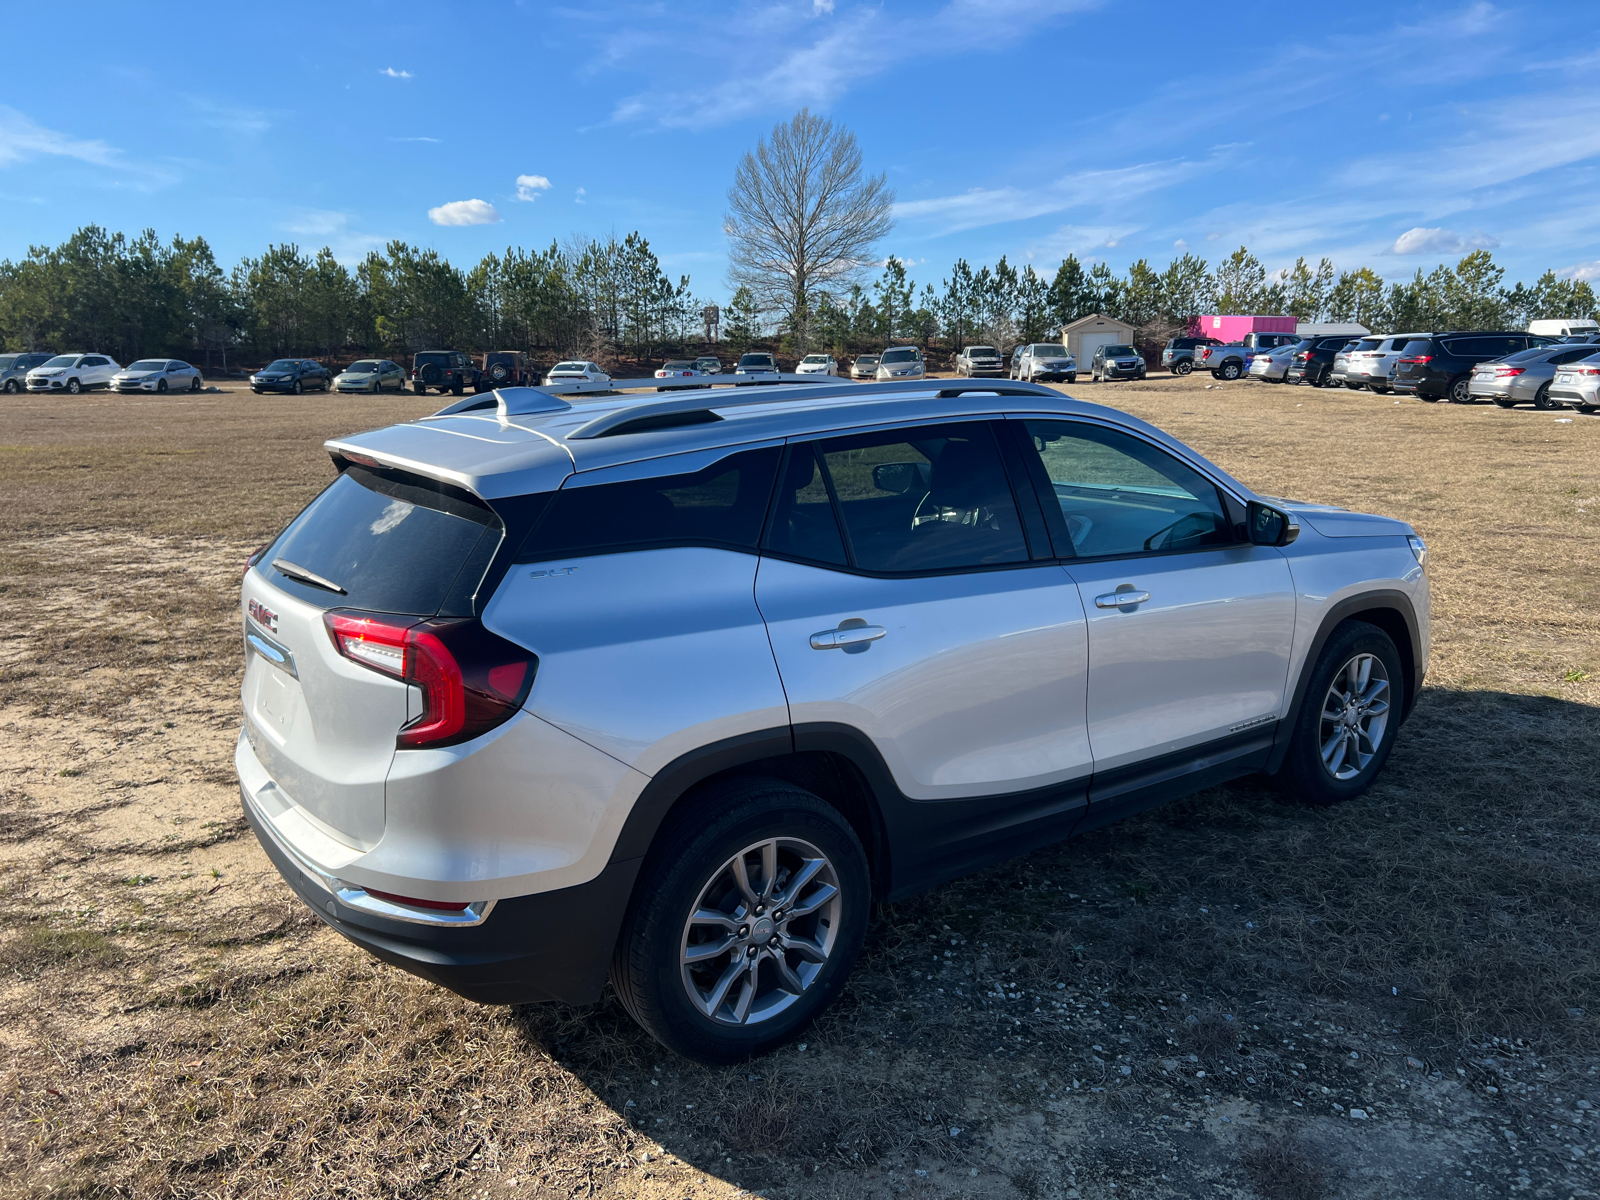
[[1390, 135]]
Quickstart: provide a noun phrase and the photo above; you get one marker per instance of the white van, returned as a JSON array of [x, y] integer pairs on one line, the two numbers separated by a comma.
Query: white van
[[1564, 327]]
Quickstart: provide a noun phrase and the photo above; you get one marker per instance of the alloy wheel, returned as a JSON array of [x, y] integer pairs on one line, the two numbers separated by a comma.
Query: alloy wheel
[[760, 931], [1355, 713]]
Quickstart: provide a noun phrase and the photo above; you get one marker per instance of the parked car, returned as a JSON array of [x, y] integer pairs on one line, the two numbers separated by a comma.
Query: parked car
[[1371, 368], [1043, 360], [578, 369], [1438, 366], [757, 362], [865, 367], [371, 375], [1340, 375], [817, 364], [509, 368], [679, 368], [14, 369], [979, 360], [72, 373], [1272, 366], [1524, 377], [1116, 362], [532, 734], [900, 362], [1577, 385], [709, 364], [1233, 359], [444, 370], [294, 375], [1178, 354], [157, 375], [1315, 359]]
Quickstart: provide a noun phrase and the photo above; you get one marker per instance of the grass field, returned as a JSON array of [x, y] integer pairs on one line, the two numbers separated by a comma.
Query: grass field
[[1195, 1002]]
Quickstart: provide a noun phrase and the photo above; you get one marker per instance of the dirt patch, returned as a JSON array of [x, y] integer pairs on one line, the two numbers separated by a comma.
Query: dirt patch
[[1227, 996]]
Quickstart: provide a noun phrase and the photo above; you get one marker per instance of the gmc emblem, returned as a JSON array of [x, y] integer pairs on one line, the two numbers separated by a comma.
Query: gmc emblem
[[263, 616]]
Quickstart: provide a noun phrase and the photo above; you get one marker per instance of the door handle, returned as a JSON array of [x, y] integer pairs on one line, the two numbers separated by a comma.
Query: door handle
[[846, 636], [1128, 599]]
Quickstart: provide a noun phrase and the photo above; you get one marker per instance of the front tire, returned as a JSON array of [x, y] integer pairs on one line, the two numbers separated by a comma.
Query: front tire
[[161, 385], [10, 387], [73, 387], [194, 383], [299, 388], [1348, 718], [745, 922]]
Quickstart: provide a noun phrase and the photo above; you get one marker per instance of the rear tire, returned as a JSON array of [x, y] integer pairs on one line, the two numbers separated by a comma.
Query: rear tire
[[1460, 392], [1335, 759], [1541, 399], [705, 1006], [1182, 367]]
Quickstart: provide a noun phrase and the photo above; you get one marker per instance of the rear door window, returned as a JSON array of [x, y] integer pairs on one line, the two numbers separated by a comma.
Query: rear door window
[[933, 498], [722, 505], [1419, 346], [392, 541]]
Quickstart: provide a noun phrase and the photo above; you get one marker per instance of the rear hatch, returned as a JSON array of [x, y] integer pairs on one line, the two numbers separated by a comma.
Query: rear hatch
[[323, 726]]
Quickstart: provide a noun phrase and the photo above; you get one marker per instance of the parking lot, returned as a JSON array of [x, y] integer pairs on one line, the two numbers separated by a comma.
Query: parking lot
[[1198, 1001]]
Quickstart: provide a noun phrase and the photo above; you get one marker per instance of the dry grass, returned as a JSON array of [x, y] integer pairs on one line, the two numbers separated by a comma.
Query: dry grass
[[174, 1023]]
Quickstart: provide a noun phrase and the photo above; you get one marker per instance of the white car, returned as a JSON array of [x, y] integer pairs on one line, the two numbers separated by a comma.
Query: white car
[[73, 373], [900, 362], [576, 369], [817, 364], [157, 375]]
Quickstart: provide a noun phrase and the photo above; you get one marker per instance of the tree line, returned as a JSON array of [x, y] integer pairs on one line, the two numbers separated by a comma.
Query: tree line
[[138, 297]]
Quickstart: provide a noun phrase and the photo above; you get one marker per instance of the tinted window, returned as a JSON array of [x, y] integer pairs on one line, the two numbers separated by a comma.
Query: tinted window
[[1120, 495], [1419, 346], [395, 543], [803, 521], [722, 505], [928, 499], [1566, 356], [1335, 343], [1481, 347]]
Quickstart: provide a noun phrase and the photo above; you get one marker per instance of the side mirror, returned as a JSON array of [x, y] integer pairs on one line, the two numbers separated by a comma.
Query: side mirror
[[898, 478], [1270, 526]]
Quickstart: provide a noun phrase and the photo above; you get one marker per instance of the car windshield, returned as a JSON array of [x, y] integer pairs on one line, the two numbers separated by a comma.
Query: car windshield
[[1120, 351], [982, 352], [868, 360], [61, 360], [7, 361], [364, 367], [568, 366], [283, 364], [755, 360], [1047, 350], [899, 356], [148, 364], [815, 358]]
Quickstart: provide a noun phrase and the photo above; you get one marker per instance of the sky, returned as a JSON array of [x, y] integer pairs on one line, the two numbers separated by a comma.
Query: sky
[[1384, 134]]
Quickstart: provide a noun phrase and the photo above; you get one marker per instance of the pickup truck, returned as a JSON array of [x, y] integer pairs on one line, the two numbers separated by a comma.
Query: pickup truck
[[1233, 360]]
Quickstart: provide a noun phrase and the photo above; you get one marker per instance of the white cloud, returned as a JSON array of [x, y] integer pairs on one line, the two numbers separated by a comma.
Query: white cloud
[[393, 74], [529, 186], [414, 139], [819, 7], [318, 222], [1588, 272], [21, 139], [1180, 246], [577, 197], [464, 212], [1441, 241]]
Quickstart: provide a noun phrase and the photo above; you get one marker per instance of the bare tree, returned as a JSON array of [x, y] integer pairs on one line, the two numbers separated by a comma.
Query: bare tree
[[802, 218]]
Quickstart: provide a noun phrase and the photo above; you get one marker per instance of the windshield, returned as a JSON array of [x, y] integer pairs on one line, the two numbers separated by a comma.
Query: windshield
[[283, 364], [755, 360], [148, 364], [568, 366], [899, 356], [1120, 351], [7, 361], [868, 360], [982, 351], [364, 367], [61, 360], [1047, 350], [815, 358]]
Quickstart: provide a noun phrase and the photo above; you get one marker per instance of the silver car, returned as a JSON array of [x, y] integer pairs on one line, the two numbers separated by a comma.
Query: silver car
[[900, 362], [1370, 368], [157, 375], [1043, 360], [1273, 365], [864, 367], [1577, 384], [675, 689], [14, 369], [1341, 361], [1526, 376], [979, 360], [371, 375]]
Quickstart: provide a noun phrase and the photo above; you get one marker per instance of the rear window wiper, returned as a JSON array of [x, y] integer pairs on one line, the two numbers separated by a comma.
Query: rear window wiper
[[304, 576]]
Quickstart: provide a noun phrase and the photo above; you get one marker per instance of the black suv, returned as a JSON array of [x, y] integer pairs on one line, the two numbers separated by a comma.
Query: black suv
[[1178, 354], [509, 368], [1313, 359], [444, 369], [1439, 366]]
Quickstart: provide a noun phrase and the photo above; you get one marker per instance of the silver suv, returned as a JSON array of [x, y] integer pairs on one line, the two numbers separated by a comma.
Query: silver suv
[[564, 683]]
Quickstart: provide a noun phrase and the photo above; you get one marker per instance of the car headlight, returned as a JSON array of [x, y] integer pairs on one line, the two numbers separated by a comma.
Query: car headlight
[[1418, 548]]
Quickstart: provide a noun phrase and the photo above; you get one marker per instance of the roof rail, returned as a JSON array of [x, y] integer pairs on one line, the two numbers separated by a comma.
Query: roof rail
[[697, 410], [540, 398]]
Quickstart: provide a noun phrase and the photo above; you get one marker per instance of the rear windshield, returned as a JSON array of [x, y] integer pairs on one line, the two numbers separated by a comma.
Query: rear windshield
[[395, 542], [1367, 344], [1418, 345]]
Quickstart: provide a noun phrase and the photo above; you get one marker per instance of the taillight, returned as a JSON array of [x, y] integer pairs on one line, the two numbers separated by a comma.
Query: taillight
[[1508, 372], [471, 679], [1206, 353], [1418, 358], [1302, 356], [1587, 370]]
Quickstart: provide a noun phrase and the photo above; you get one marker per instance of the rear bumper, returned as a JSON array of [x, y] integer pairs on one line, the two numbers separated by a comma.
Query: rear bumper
[[549, 946]]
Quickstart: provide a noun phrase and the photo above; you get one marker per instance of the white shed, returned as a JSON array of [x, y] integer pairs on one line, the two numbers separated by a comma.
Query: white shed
[[1087, 334]]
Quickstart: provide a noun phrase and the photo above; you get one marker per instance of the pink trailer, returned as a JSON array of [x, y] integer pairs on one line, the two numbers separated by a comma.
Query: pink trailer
[[1232, 329]]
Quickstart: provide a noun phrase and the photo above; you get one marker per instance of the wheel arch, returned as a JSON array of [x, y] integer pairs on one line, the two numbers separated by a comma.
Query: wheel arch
[[1388, 610]]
